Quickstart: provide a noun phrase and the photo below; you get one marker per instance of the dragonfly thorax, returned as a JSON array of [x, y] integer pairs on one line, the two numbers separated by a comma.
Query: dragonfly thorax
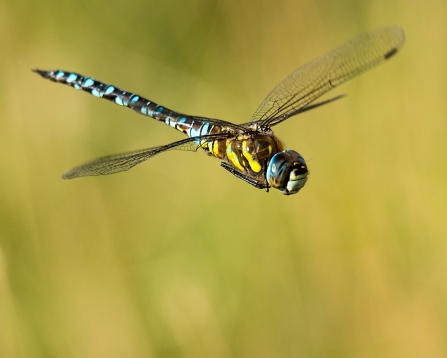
[[251, 153], [262, 158]]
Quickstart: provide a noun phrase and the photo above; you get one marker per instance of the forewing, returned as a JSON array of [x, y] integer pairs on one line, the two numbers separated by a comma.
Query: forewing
[[124, 161], [319, 76]]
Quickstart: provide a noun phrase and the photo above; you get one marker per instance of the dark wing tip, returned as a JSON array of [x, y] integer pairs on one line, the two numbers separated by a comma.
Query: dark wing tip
[[71, 174], [390, 53], [67, 175]]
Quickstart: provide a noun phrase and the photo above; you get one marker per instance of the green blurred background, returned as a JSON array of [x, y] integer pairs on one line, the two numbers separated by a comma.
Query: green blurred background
[[177, 258]]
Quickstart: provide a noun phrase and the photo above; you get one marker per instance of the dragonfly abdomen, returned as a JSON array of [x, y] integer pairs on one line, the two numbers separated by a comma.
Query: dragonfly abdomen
[[189, 125]]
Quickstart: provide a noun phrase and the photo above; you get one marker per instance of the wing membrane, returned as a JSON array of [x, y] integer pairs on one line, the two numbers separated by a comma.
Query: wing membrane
[[124, 161], [322, 74]]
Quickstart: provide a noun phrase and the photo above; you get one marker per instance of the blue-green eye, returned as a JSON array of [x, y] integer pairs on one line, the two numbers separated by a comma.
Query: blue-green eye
[[287, 171]]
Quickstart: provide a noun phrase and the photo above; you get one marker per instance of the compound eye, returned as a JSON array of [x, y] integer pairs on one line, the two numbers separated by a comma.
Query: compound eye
[[299, 164], [287, 171], [298, 169], [278, 170], [296, 157]]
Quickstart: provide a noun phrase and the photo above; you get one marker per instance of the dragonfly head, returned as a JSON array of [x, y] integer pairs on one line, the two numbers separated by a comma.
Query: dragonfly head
[[287, 171]]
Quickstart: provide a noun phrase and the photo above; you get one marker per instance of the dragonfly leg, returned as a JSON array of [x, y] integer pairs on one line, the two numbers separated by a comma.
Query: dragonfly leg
[[264, 173], [244, 177]]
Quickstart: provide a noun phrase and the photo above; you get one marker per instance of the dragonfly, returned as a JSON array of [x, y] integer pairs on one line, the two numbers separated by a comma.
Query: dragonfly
[[250, 151]]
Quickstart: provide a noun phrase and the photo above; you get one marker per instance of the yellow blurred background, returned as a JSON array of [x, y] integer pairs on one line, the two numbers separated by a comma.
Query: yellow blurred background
[[177, 258]]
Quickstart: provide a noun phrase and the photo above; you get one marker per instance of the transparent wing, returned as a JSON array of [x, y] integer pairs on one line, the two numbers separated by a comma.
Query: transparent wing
[[124, 161], [319, 76]]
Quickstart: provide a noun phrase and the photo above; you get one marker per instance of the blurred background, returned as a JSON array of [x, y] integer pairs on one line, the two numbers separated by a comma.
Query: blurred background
[[177, 258]]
